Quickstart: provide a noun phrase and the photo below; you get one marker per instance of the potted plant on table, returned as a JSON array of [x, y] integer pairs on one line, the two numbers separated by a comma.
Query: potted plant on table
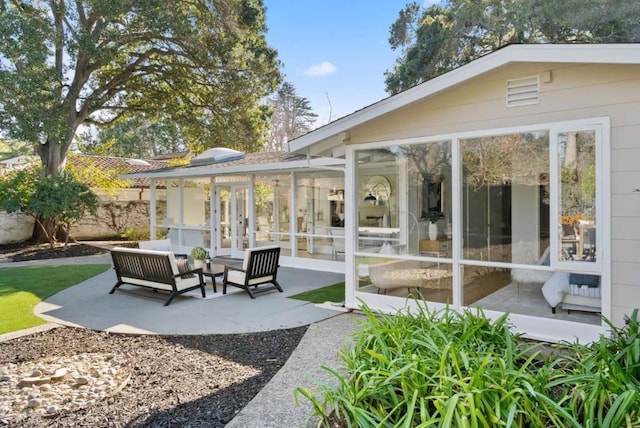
[[198, 254], [433, 217]]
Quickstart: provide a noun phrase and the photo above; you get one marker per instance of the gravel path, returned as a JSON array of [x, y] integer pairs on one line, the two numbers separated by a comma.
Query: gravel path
[[185, 381]]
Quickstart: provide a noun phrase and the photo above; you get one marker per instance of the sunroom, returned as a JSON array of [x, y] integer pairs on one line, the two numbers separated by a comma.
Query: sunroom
[[485, 219], [493, 187]]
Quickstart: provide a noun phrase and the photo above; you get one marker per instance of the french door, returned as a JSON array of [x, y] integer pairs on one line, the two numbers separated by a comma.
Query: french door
[[232, 212]]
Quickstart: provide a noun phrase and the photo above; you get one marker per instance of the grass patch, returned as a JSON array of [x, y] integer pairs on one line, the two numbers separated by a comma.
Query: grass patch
[[22, 288], [330, 293]]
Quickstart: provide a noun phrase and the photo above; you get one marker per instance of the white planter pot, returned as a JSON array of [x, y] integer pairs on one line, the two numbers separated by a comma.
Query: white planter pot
[[198, 263], [433, 231]]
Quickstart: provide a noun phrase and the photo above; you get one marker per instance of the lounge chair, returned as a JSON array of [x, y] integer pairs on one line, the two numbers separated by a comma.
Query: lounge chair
[[260, 267]]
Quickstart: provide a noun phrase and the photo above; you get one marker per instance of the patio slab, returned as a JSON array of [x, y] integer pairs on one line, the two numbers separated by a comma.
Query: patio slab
[[135, 310]]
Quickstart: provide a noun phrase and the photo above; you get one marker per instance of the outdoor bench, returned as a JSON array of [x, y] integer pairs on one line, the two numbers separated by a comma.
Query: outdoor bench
[[157, 270]]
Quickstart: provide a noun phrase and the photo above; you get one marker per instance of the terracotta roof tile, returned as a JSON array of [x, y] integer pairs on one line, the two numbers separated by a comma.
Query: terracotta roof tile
[[120, 164]]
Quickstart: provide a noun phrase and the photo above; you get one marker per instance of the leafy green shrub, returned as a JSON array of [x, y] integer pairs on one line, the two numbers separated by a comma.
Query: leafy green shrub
[[459, 368], [53, 201], [138, 233]]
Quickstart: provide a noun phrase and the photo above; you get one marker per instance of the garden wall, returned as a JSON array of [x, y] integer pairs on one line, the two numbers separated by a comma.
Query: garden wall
[[117, 212], [15, 227]]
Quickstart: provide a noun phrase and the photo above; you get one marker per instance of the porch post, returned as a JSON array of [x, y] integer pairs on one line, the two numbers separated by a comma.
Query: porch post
[[351, 222], [152, 210], [293, 217], [252, 211]]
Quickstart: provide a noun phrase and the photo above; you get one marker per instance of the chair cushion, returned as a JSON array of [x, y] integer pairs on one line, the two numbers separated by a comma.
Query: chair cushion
[[247, 254], [237, 277]]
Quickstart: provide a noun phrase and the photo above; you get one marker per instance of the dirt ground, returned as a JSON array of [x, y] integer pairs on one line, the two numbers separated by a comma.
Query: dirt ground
[[28, 251]]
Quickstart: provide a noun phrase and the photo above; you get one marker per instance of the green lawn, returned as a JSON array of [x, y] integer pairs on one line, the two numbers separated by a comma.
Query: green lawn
[[22, 288], [331, 293]]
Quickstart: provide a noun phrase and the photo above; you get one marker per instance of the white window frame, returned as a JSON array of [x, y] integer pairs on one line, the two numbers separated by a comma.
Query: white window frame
[[538, 328], [601, 129]]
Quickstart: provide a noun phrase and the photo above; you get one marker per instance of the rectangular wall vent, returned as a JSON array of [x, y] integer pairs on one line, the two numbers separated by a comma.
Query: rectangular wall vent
[[522, 92]]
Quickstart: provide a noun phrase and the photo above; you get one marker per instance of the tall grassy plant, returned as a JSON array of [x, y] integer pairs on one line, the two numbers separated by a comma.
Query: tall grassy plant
[[444, 368], [600, 383]]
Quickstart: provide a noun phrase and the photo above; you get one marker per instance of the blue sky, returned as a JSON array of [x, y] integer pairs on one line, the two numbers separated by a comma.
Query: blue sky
[[334, 50]]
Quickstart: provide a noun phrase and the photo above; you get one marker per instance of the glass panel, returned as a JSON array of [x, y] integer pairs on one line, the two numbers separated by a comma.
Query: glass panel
[[320, 207], [263, 197], [577, 196], [403, 192], [272, 199], [277, 209], [505, 197], [161, 205], [241, 216], [480, 282], [172, 217], [230, 179], [430, 281], [195, 202], [224, 218], [161, 233], [538, 293]]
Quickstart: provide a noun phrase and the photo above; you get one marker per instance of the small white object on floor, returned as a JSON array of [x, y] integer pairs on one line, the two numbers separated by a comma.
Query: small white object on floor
[[334, 306]]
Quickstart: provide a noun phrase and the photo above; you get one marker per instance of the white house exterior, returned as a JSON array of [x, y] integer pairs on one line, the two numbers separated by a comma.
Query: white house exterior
[[529, 158]]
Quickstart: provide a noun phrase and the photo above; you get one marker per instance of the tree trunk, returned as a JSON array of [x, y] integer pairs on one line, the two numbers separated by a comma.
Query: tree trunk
[[53, 157], [40, 235]]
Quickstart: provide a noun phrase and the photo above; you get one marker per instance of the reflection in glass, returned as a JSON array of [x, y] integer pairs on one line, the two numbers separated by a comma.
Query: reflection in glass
[[401, 188], [506, 197], [195, 202], [577, 196], [430, 281], [320, 214]]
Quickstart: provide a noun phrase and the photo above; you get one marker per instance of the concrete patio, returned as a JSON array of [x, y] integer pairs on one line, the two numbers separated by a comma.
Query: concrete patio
[[135, 310]]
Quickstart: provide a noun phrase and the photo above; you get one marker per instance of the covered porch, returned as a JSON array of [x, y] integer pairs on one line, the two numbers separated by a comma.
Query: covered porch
[[229, 204]]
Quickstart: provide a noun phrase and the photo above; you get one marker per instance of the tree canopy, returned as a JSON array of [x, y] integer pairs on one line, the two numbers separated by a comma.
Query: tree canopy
[[435, 39], [203, 63], [135, 136], [292, 117]]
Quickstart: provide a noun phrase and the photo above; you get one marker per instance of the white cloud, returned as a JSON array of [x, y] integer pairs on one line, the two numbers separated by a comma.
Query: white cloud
[[318, 70]]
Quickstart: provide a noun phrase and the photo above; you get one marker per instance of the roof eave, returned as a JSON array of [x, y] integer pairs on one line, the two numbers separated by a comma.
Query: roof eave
[[239, 169], [628, 53]]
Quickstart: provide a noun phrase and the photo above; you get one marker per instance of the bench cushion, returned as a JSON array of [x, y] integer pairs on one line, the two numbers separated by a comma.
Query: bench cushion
[[180, 285], [156, 244]]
